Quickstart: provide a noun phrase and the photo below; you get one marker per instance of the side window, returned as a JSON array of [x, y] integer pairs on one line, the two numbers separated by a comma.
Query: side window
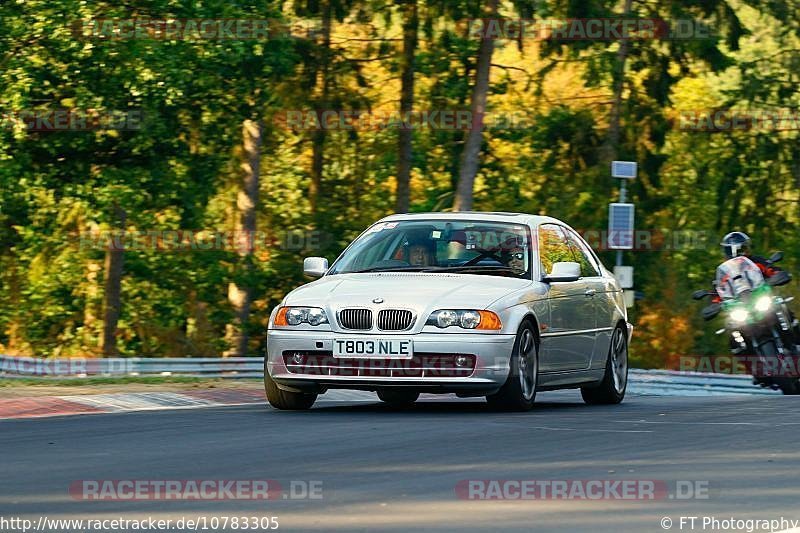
[[553, 247], [584, 255]]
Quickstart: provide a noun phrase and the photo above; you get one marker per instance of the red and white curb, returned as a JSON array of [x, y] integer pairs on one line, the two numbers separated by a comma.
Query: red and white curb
[[44, 406]]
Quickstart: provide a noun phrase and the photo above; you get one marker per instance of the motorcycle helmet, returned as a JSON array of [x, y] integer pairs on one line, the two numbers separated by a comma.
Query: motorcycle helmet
[[735, 243]]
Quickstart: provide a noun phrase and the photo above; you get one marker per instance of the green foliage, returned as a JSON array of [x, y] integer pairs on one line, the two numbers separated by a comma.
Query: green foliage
[[181, 169]]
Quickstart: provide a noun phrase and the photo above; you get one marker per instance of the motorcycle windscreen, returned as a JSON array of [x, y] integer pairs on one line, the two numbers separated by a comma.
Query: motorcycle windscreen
[[736, 276]]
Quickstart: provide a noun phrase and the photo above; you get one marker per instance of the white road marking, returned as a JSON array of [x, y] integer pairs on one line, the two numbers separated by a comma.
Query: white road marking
[[667, 422], [549, 428]]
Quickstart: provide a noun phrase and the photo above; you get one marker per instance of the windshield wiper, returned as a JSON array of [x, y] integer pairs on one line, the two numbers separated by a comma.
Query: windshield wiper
[[467, 268], [454, 268], [386, 269]]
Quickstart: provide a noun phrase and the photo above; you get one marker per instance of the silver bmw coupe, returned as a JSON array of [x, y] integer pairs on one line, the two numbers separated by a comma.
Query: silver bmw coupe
[[500, 305]]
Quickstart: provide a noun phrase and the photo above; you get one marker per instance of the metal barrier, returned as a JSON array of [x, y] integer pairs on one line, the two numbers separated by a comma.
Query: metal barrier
[[132, 366], [658, 382]]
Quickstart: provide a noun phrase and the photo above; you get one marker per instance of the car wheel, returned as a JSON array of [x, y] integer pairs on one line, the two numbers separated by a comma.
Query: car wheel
[[398, 398], [519, 391], [615, 380], [285, 400]]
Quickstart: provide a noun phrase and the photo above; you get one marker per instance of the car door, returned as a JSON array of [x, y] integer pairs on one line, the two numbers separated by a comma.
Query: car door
[[566, 345], [596, 288]]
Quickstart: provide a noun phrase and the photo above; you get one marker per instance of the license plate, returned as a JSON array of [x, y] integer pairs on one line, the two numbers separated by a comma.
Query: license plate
[[373, 348]]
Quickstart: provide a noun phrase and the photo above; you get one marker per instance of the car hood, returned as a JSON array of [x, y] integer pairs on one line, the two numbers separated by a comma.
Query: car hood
[[422, 292]]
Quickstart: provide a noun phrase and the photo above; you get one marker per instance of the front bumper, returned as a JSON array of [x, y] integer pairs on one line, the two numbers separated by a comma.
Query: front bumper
[[492, 353]]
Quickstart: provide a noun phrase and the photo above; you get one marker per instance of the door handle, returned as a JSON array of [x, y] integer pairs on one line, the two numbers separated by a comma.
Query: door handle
[[589, 292]]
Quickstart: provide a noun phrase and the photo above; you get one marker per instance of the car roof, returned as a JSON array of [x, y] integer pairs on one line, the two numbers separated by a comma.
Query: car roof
[[494, 216]]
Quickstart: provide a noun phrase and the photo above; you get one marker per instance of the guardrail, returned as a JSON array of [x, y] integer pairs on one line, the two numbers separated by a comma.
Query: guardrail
[[230, 367], [658, 382]]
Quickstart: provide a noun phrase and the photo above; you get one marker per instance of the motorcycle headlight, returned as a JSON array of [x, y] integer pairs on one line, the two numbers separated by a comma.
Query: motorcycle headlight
[[294, 316], [763, 304], [465, 318], [740, 315]]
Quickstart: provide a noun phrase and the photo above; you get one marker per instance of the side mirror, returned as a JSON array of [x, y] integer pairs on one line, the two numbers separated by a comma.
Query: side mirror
[[711, 311], [315, 267], [564, 271], [699, 295], [774, 258]]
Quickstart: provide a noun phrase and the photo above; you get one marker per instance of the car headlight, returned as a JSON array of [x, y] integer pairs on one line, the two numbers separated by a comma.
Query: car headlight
[[764, 303], [740, 315], [293, 316], [465, 318]]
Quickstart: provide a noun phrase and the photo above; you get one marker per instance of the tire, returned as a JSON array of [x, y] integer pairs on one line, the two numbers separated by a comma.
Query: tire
[[398, 398], [611, 389], [285, 400], [519, 391], [789, 386]]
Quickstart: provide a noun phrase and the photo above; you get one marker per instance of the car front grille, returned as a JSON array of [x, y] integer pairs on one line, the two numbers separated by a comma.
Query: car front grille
[[395, 319], [355, 319], [422, 365]]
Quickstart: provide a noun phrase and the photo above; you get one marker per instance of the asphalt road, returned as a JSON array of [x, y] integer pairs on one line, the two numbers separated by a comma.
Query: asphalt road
[[391, 470]]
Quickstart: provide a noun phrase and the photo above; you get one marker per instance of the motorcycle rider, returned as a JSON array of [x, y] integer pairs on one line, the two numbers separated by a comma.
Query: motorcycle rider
[[738, 244], [733, 277]]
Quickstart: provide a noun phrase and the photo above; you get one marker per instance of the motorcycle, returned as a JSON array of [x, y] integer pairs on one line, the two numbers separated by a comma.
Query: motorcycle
[[758, 320]]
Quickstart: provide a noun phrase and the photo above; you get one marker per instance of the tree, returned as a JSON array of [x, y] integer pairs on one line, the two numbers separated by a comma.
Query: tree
[[241, 294], [405, 135], [468, 167]]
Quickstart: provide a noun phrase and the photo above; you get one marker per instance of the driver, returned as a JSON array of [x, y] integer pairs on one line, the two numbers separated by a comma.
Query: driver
[[515, 259]]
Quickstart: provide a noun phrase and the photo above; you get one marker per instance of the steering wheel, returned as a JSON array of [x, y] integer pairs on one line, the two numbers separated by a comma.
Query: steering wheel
[[482, 255]]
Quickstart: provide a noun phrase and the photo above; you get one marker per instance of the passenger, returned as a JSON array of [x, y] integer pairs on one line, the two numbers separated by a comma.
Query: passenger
[[419, 255]]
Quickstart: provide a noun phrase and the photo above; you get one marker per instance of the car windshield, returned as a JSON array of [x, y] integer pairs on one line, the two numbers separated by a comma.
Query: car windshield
[[473, 247]]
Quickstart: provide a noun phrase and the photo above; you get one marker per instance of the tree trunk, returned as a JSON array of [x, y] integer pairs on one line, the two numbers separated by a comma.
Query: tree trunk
[[112, 293], [13, 284], [322, 102], [472, 145], [91, 310], [404, 148], [240, 295], [610, 149]]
